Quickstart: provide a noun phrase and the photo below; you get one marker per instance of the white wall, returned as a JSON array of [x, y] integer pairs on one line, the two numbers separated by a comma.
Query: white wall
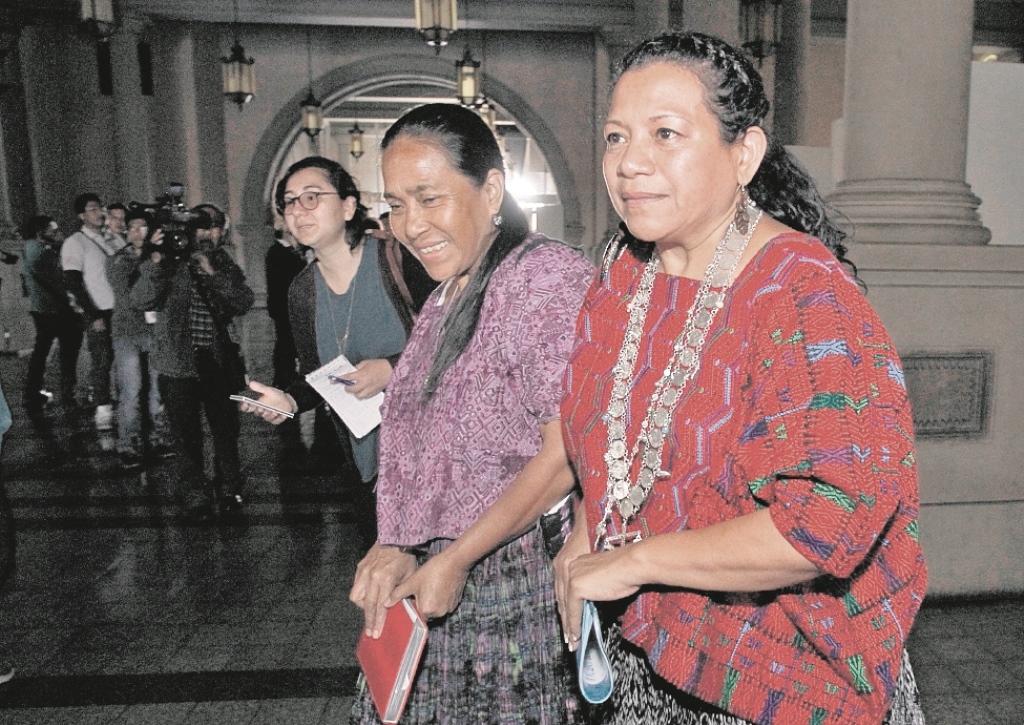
[[995, 147]]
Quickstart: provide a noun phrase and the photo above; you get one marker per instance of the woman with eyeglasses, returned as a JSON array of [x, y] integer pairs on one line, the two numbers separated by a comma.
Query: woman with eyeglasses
[[351, 301]]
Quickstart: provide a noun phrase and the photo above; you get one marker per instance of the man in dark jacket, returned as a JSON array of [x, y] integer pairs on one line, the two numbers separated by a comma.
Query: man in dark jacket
[[52, 313], [196, 296]]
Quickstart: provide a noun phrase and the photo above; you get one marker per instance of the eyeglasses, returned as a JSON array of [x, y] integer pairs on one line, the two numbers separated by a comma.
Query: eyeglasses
[[308, 200]]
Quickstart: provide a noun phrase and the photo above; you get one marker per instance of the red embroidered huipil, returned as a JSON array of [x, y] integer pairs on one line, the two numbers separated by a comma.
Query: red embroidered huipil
[[799, 405]]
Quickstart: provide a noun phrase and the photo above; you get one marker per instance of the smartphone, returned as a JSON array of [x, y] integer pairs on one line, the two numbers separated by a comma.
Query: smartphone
[[253, 398]]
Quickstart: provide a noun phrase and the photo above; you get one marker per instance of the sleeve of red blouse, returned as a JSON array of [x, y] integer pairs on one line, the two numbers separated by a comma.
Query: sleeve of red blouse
[[829, 447], [542, 320]]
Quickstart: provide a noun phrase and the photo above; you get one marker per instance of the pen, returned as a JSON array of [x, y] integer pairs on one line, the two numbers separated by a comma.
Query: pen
[[343, 381]]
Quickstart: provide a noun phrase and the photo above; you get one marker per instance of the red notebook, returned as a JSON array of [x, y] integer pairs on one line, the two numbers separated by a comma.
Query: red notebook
[[390, 663]]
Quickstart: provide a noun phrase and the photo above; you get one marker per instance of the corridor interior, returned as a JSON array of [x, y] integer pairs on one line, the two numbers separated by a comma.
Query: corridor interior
[[120, 614]]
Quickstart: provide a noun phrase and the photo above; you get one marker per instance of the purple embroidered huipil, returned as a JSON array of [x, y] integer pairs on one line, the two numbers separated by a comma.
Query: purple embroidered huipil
[[444, 462]]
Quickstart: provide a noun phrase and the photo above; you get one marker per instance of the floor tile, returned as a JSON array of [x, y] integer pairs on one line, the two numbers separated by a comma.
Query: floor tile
[[166, 714], [954, 710]]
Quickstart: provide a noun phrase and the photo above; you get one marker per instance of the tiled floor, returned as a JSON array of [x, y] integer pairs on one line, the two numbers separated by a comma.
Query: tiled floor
[[118, 614]]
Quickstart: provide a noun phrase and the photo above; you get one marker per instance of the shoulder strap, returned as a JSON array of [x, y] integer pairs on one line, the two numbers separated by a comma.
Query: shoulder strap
[[393, 254], [101, 247]]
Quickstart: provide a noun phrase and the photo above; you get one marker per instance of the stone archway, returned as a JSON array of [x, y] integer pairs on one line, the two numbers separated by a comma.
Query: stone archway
[[350, 79]]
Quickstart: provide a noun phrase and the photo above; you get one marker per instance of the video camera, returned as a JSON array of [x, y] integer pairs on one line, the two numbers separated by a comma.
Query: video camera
[[175, 220]]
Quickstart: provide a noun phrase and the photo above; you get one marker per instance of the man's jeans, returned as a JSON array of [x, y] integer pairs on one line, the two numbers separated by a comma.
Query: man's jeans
[[128, 352]]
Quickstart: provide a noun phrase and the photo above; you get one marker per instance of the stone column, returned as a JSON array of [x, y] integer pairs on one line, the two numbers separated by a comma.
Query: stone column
[[906, 95], [17, 187], [650, 17], [131, 126], [789, 105]]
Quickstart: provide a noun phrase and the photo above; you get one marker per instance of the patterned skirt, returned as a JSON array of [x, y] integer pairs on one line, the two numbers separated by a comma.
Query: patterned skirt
[[642, 697], [499, 657]]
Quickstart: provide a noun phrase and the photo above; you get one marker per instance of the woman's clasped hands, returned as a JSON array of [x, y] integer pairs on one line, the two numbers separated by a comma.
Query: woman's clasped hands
[[387, 575], [603, 577]]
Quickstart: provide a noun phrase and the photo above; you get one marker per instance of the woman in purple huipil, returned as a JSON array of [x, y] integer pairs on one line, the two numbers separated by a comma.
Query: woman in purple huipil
[[471, 449]]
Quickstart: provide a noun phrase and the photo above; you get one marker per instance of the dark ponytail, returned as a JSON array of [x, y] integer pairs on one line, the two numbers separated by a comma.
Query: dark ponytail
[[471, 149]]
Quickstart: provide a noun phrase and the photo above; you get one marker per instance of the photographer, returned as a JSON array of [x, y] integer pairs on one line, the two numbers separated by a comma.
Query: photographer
[[132, 331], [197, 289]]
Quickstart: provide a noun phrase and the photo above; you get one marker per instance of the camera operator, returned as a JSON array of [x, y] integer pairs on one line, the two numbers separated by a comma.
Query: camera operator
[[197, 290], [132, 331]]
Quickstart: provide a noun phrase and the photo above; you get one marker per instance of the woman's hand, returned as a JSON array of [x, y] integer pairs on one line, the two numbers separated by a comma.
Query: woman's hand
[[369, 378], [271, 396], [606, 576], [381, 570], [437, 586], [576, 545]]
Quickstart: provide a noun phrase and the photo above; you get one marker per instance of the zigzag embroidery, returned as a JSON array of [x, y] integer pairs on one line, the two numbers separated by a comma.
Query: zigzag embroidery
[[777, 338], [895, 372], [842, 455], [826, 298], [837, 401], [820, 547], [835, 495], [820, 350], [759, 428]]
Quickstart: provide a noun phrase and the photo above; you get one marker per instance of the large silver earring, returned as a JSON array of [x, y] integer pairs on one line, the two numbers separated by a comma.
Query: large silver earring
[[496, 220], [741, 220]]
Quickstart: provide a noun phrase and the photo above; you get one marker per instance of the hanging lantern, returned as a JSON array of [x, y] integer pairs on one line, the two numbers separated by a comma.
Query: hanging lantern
[[761, 27], [355, 141], [236, 71], [98, 18], [436, 20], [312, 115], [488, 113], [312, 109], [467, 79]]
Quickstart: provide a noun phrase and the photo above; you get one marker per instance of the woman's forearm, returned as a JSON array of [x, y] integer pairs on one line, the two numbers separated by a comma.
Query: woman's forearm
[[745, 554]]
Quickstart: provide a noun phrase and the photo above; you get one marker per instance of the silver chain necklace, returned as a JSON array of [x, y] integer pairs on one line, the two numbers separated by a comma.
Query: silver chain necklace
[[351, 291], [624, 495]]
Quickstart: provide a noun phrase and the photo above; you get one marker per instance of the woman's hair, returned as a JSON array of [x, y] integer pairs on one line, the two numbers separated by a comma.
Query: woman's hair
[[343, 183], [734, 94], [471, 149], [34, 226]]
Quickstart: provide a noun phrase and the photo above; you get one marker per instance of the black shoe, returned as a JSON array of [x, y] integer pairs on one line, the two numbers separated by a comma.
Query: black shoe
[[231, 504], [197, 515]]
